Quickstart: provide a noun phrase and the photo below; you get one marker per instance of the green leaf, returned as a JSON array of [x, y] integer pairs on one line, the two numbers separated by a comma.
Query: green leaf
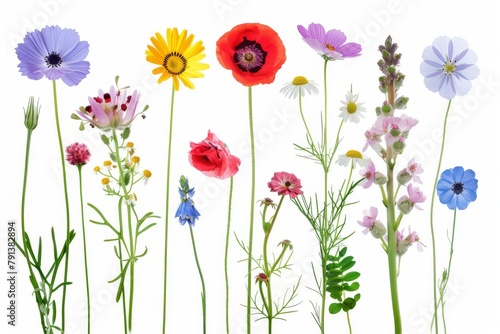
[[353, 287], [126, 178], [334, 308], [105, 140], [351, 276], [357, 296], [348, 304], [345, 261], [348, 265], [342, 252], [125, 133], [112, 157]]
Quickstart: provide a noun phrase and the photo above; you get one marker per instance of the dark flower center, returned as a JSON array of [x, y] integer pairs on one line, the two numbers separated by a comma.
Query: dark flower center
[[249, 56], [457, 188], [175, 63], [288, 184], [53, 60]]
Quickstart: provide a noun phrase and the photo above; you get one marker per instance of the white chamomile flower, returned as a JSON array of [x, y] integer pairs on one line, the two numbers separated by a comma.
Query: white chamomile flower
[[299, 84], [351, 109], [354, 157]]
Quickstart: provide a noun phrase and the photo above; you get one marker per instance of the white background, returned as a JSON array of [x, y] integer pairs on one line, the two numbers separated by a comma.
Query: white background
[[118, 33]]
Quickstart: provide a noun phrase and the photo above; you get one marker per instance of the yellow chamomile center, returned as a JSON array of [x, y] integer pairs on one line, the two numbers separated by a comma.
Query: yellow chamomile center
[[354, 154], [175, 63], [351, 107], [299, 81], [449, 67]]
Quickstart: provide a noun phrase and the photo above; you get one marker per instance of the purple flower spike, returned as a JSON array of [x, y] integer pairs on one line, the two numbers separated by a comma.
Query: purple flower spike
[[449, 66], [54, 53], [331, 44]]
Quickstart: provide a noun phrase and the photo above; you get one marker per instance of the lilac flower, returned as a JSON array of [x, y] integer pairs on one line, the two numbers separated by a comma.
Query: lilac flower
[[457, 188], [368, 173], [54, 53], [371, 223], [331, 44], [449, 66], [404, 242]]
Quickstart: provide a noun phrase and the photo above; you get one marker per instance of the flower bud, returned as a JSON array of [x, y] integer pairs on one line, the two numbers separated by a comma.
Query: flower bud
[[386, 108], [404, 205], [378, 229], [261, 277], [398, 146], [401, 102], [380, 178], [402, 247], [31, 114], [403, 177]]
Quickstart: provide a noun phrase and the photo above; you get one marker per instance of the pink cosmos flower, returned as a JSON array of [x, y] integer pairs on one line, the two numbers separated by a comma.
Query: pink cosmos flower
[[77, 154], [285, 184], [114, 109], [369, 175], [212, 158]]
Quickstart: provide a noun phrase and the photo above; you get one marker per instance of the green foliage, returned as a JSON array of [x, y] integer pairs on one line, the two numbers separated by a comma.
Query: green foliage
[[339, 281]]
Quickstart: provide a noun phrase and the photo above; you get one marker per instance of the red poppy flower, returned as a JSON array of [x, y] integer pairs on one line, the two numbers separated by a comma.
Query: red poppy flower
[[285, 184], [253, 51], [212, 158]]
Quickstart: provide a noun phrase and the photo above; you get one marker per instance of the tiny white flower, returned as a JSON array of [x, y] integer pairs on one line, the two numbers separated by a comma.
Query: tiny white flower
[[351, 109]]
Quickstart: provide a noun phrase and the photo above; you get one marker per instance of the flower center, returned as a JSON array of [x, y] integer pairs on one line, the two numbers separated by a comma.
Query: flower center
[[249, 56], [175, 63], [288, 184], [329, 47], [299, 81], [449, 67], [53, 60], [354, 154], [351, 107], [457, 188]]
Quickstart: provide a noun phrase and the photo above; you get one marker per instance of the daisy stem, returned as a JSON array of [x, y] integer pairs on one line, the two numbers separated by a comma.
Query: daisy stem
[[203, 293], [446, 279], [391, 228], [434, 282], [303, 118], [226, 251], [252, 208], [167, 200], [23, 227], [84, 248], [66, 200]]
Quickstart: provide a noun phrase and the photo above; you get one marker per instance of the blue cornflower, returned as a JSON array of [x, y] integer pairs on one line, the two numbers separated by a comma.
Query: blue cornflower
[[457, 188], [54, 53], [186, 211], [449, 66]]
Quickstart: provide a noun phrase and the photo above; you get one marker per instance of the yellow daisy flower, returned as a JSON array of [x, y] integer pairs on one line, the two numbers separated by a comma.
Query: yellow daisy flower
[[177, 56]]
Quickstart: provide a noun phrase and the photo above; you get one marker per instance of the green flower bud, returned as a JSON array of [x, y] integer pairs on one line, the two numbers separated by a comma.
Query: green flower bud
[[405, 206], [378, 230], [380, 178], [403, 177], [398, 147], [31, 113], [401, 102], [402, 247], [386, 108]]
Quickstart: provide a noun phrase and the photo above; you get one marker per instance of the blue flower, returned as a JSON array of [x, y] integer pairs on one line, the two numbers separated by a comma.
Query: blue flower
[[448, 67], [186, 211], [54, 53], [457, 188]]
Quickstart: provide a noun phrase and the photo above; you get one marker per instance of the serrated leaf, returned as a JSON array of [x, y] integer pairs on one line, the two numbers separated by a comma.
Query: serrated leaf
[[351, 276]]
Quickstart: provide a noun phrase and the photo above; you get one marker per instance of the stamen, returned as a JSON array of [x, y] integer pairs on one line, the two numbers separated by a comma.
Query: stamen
[[107, 97], [249, 56], [457, 188], [329, 47], [53, 60], [175, 63]]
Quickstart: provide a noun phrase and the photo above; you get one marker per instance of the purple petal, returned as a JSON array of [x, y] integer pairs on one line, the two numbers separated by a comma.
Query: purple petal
[[335, 38]]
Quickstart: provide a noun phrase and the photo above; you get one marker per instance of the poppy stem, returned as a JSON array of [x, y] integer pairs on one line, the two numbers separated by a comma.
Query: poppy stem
[[434, 321], [226, 252], [252, 208]]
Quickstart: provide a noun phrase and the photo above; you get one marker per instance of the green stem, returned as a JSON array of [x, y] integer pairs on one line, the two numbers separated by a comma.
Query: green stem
[[445, 282], [33, 280], [84, 248], [124, 302], [349, 322], [252, 208], [391, 229], [167, 200], [226, 252], [434, 271], [325, 195], [203, 293], [131, 245], [66, 200], [302, 115]]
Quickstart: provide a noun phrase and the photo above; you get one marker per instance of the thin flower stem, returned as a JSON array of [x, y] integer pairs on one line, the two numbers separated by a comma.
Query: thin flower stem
[[66, 200], [23, 226], [391, 231], [167, 200], [434, 271], [445, 280], [325, 203], [84, 248], [124, 302], [252, 209], [266, 267], [302, 115], [226, 251], [203, 293]]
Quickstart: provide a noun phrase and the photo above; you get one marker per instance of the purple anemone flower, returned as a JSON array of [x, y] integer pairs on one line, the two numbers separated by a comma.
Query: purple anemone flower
[[449, 66], [330, 45], [54, 53]]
